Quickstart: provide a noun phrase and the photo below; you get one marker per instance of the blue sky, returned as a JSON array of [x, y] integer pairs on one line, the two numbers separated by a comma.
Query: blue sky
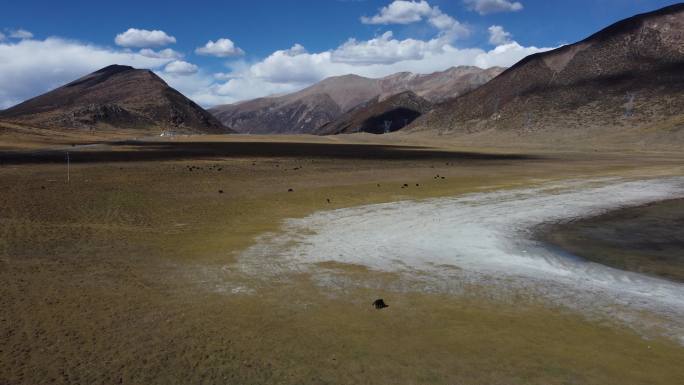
[[280, 46]]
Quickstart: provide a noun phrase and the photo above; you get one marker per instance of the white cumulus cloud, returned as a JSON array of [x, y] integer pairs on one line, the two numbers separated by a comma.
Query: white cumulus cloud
[[408, 12], [220, 48], [400, 12], [293, 65], [498, 36], [383, 50], [485, 7], [180, 67], [142, 38]]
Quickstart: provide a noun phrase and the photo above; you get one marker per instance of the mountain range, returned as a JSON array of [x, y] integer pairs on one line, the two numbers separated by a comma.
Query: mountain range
[[308, 110]]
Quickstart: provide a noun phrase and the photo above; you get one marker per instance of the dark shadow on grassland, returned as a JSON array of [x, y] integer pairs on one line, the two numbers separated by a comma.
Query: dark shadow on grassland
[[647, 239], [126, 151]]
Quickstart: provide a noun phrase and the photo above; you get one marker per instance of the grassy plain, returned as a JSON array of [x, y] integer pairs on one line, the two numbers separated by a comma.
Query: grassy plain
[[126, 274]]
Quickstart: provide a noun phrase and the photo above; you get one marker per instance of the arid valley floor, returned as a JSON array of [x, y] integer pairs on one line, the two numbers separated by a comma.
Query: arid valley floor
[[130, 272]]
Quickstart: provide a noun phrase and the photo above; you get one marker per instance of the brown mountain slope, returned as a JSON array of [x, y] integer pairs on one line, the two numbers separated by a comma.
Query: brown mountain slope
[[116, 97], [623, 79], [307, 110], [378, 117]]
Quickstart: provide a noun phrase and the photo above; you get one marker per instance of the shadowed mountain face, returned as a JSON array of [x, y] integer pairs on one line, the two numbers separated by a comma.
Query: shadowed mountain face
[[378, 117], [629, 76], [116, 97], [307, 110]]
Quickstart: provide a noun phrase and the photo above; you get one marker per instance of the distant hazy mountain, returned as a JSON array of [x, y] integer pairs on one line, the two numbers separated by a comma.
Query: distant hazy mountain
[[116, 97], [627, 77], [307, 110], [377, 117]]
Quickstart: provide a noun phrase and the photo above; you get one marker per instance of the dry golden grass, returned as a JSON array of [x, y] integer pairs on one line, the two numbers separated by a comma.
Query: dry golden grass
[[124, 275]]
